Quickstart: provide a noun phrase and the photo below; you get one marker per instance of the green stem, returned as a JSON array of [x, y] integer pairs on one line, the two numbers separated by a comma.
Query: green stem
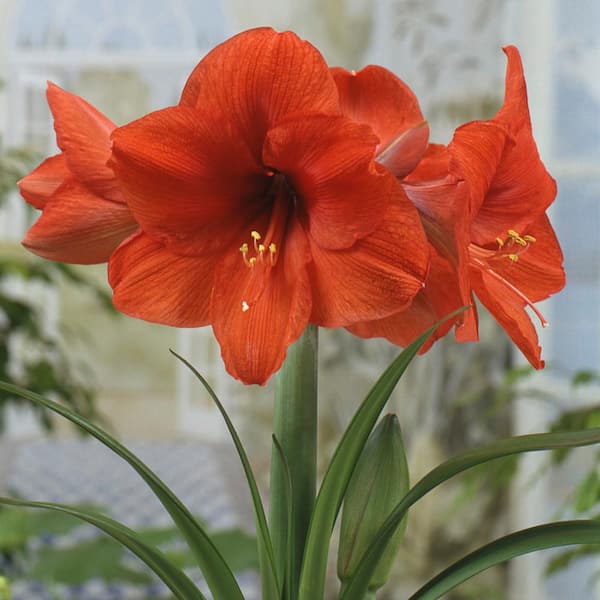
[[295, 427], [369, 595]]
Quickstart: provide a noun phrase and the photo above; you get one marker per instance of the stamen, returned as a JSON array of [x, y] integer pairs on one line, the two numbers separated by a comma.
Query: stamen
[[529, 238], [255, 237], [513, 257], [514, 289], [252, 261], [272, 251], [500, 243]]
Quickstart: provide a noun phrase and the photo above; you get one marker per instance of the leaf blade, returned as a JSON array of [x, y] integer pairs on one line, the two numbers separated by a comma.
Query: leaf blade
[[177, 581], [335, 482], [515, 445], [218, 576], [271, 586], [550, 535]]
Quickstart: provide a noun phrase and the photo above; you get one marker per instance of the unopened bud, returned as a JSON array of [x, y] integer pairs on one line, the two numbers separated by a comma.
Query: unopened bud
[[379, 482]]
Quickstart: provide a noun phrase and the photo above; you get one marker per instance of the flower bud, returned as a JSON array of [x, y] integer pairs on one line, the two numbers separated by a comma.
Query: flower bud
[[379, 482]]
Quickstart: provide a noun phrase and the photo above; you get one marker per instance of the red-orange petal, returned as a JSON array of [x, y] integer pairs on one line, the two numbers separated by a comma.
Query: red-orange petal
[[154, 284], [437, 299], [521, 188], [83, 134], [435, 164], [188, 177], [402, 155], [260, 76], [508, 308], [37, 187], [377, 97], [328, 161], [538, 272], [378, 276], [79, 227], [258, 312]]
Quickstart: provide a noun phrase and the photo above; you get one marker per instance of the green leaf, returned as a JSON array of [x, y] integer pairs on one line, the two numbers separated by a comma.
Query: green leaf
[[175, 579], [217, 573], [19, 525], [551, 535], [101, 557], [271, 587], [290, 542], [337, 477], [466, 460]]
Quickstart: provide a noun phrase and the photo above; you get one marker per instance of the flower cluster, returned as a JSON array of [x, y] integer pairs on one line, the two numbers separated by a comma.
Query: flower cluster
[[281, 192]]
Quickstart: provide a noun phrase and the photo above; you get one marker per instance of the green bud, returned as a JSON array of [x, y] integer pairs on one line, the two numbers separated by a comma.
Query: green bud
[[4, 589], [379, 482]]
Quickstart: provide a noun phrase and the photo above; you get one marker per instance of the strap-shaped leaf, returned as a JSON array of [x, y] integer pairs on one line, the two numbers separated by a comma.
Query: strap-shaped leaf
[[289, 500], [271, 588], [358, 584], [217, 573], [176, 580], [337, 477], [551, 535]]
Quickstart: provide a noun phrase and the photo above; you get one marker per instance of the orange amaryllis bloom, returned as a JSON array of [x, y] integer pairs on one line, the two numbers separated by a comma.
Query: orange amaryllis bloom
[[493, 229], [377, 97], [84, 216], [261, 207]]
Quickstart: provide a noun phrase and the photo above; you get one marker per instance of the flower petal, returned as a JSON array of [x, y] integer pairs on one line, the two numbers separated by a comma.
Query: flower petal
[[37, 187], [258, 77], [258, 314], [437, 299], [154, 284], [377, 97], [183, 172], [538, 272], [520, 189], [404, 153], [83, 134], [435, 164], [328, 161], [508, 308], [378, 276], [79, 227]]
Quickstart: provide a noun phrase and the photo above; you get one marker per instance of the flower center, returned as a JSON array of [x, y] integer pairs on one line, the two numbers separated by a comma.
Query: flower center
[[510, 248], [262, 252], [513, 245]]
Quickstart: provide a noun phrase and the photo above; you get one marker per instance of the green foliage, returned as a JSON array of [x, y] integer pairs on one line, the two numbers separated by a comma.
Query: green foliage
[[100, 557]]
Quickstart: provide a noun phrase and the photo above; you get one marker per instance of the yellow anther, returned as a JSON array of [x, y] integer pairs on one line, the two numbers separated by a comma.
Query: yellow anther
[[500, 242], [255, 235], [261, 248], [272, 248], [520, 241], [513, 234], [244, 248], [529, 238], [513, 257], [252, 261]]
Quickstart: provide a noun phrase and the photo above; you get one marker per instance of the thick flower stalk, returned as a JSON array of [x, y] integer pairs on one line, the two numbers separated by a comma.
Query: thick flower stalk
[[483, 202]]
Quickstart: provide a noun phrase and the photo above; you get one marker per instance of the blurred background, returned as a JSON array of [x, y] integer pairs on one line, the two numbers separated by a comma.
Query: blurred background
[[59, 335]]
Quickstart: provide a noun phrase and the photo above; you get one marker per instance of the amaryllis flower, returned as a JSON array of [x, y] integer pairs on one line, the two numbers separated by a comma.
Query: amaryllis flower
[[496, 234], [84, 216], [261, 207]]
